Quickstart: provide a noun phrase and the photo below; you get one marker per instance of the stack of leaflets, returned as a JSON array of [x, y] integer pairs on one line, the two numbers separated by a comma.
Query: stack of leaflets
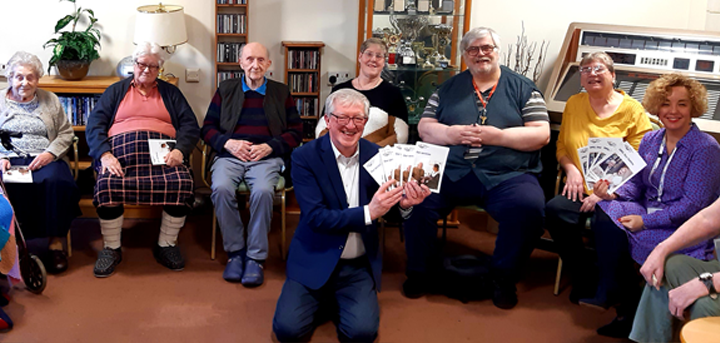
[[422, 162], [610, 159]]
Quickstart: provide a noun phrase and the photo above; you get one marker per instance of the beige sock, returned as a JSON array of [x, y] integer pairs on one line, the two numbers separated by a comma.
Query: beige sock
[[170, 229], [111, 230], [56, 243]]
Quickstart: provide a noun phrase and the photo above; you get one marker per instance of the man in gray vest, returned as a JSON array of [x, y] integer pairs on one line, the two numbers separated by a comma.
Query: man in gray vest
[[495, 121], [253, 125]]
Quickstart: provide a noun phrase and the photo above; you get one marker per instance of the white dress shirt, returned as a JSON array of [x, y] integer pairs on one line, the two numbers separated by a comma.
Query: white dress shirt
[[349, 168]]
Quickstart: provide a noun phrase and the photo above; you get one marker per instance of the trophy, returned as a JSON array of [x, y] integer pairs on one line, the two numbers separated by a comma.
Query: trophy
[[410, 28], [441, 39], [410, 7], [392, 40]]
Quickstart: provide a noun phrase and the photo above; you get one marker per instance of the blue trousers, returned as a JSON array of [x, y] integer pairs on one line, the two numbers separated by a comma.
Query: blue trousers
[[516, 204], [261, 177], [349, 295]]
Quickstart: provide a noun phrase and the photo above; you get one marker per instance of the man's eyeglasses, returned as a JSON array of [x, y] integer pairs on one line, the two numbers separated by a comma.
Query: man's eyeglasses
[[596, 69], [371, 55], [486, 49], [149, 66], [345, 120]]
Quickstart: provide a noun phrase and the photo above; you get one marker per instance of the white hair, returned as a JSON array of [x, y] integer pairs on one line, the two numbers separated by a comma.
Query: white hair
[[147, 48], [22, 58], [346, 97], [477, 33]]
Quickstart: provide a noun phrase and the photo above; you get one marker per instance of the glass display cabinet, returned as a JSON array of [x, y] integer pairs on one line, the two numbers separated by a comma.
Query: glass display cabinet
[[423, 39]]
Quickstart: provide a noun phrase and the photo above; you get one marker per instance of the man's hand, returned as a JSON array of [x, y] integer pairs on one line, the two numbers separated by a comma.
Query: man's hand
[[41, 160], [4, 164], [632, 222], [111, 164], [684, 296], [259, 151], [589, 203], [414, 194], [464, 134], [490, 135], [573, 189], [601, 190], [174, 158], [654, 267], [384, 199], [239, 148]]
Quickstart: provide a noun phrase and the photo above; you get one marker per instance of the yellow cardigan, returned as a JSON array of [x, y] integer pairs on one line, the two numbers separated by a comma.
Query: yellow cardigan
[[579, 122]]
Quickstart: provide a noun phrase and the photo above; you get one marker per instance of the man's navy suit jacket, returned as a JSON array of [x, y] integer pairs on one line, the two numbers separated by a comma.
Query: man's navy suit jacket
[[325, 219]]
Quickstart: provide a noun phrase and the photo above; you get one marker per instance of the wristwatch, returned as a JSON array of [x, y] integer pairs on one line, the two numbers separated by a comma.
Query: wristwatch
[[707, 279]]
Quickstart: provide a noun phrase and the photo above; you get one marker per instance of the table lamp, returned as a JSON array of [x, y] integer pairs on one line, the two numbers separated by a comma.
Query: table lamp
[[161, 24]]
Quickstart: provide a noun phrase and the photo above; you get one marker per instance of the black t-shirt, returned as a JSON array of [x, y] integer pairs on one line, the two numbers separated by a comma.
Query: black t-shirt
[[385, 96]]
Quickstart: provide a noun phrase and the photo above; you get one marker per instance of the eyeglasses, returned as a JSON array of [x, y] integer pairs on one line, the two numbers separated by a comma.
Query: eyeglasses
[[486, 49], [371, 55], [596, 69], [345, 120], [143, 66]]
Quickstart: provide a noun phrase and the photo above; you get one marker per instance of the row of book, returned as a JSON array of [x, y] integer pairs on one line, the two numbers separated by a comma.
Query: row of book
[[226, 75], [303, 59], [78, 108], [303, 82], [228, 52], [231, 23], [309, 128], [307, 106], [232, 2]]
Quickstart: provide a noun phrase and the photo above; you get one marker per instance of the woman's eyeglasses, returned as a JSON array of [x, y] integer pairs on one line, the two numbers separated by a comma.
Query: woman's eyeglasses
[[143, 66], [592, 69]]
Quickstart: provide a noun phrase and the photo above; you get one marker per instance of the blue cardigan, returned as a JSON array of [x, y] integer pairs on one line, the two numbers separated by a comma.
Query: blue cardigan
[[103, 116]]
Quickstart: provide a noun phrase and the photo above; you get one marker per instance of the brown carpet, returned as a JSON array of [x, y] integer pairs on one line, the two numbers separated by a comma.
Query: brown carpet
[[144, 302]]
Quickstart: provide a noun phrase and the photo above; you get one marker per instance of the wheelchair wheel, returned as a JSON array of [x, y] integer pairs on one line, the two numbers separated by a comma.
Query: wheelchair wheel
[[33, 273]]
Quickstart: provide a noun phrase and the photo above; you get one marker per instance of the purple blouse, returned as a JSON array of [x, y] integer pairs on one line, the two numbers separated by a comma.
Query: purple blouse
[[691, 184]]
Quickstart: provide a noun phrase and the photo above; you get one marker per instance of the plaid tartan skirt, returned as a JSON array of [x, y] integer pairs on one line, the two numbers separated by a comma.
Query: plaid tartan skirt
[[143, 183]]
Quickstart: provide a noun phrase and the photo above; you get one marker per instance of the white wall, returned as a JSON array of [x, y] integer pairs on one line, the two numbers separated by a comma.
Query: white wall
[[26, 25]]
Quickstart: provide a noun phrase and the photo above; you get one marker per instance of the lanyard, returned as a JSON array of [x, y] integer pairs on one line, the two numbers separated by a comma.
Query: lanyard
[[483, 116], [661, 151]]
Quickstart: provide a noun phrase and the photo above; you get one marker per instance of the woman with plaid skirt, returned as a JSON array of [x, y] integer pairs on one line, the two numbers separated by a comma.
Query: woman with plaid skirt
[[129, 113]]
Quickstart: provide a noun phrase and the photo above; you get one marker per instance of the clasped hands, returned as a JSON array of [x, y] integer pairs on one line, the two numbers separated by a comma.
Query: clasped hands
[[410, 194], [246, 151], [474, 135]]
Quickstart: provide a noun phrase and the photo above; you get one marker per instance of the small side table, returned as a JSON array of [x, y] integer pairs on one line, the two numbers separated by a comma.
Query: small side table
[[701, 330]]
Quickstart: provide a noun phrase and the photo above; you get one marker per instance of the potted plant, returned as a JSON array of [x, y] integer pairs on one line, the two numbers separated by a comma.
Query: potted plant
[[74, 50]]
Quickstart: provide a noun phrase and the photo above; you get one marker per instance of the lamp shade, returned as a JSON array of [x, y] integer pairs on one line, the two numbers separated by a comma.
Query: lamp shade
[[161, 24]]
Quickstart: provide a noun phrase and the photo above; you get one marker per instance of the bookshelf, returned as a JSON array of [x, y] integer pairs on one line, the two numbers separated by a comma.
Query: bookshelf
[[81, 94], [231, 33], [302, 75]]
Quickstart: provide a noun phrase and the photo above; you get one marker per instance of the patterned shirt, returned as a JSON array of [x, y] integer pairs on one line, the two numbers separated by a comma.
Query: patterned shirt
[[24, 117]]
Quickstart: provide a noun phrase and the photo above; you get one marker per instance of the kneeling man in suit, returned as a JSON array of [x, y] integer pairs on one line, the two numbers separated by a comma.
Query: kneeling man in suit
[[334, 262]]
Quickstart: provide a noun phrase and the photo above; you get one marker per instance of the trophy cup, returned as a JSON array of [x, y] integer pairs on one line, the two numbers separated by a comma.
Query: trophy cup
[[410, 28], [392, 39], [441, 39]]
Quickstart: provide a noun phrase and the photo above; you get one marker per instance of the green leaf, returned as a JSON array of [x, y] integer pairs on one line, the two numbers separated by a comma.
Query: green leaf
[[63, 22], [91, 12]]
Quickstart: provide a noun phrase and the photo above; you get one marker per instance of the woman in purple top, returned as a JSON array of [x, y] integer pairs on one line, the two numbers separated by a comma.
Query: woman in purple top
[[680, 179]]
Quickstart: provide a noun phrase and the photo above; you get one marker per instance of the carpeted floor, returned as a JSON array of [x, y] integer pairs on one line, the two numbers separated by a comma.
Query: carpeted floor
[[144, 302]]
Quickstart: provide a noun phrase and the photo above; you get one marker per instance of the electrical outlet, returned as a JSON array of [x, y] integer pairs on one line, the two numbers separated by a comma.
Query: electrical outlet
[[3, 68], [338, 77]]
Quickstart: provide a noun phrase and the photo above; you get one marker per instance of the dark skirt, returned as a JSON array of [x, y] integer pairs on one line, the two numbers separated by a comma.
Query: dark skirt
[[46, 207], [143, 183]]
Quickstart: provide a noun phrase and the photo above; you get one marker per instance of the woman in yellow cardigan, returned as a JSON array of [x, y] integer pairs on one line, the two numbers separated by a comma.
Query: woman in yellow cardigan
[[602, 111]]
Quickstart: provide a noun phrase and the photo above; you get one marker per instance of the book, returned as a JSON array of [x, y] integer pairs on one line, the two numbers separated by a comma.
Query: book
[[618, 167], [159, 148], [18, 174]]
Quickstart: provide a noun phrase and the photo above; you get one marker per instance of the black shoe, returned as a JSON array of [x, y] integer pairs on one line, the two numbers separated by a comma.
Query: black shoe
[[169, 257], [505, 294], [416, 286], [56, 262], [620, 327], [106, 262]]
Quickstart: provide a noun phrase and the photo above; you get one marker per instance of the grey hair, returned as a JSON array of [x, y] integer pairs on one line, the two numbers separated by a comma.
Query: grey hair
[[347, 97], [477, 33], [601, 57], [374, 41], [22, 58], [147, 48]]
